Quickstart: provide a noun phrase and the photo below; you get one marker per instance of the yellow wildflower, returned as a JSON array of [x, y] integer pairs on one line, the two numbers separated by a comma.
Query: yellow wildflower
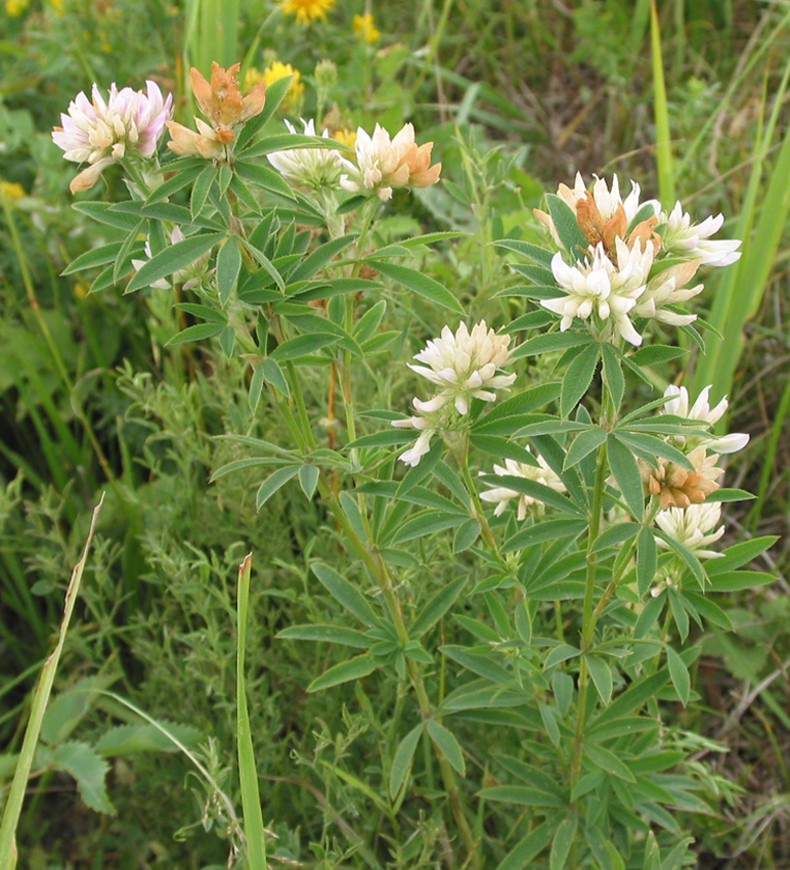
[[277, 70], [307, 11], [365, 28], [16, 7], [11, 190], [345, 137]]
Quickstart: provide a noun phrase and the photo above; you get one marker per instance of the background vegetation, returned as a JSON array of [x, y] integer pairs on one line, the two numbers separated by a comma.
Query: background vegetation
[[518, 95]]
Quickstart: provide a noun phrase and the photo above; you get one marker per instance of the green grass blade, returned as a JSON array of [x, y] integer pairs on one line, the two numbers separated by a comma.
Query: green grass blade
[[740, 292], [248, 775], [16, 794], [666, 175]]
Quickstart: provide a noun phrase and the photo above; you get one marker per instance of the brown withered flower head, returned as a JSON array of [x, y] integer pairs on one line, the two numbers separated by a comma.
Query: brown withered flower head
[[222, 103], [679, 487]]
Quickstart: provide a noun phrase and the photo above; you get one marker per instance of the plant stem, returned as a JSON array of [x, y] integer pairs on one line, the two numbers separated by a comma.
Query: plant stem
[[378, 570]]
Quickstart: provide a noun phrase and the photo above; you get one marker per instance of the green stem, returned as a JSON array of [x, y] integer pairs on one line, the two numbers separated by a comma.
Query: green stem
[[378, 570], [588, 619]]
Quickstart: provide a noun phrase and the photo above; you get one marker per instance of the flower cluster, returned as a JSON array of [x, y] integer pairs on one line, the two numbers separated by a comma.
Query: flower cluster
[[464, 364], [101, 132], [314, 168], [620, 274], [222, 103], [693, 527], [538, 471], [307, 11], [382, 164], [675, 485]]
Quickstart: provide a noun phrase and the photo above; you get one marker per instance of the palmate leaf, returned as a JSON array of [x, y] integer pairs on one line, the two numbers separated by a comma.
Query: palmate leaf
[[437, 606], [345, 594]]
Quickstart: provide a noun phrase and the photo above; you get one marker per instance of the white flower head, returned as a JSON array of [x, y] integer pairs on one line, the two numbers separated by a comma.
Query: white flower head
[[603, 289], [540, 473], [693, 241], [668, 287], [101, 132], [693, 527], [314, 168], [383, 163], [678, 404], [464, 364]]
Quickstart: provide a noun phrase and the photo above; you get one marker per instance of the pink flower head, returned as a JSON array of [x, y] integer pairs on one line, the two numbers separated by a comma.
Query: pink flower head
[[100, 132]]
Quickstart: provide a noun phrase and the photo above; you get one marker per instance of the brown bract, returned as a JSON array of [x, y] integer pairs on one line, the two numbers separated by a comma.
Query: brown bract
[[221, 101], [679, 487]]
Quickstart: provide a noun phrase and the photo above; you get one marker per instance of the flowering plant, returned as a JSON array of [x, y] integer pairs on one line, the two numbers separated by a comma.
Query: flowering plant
[[568, 618]]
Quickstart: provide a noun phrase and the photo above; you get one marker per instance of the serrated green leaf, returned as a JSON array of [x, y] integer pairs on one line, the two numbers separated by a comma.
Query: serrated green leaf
[[89, 769]]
